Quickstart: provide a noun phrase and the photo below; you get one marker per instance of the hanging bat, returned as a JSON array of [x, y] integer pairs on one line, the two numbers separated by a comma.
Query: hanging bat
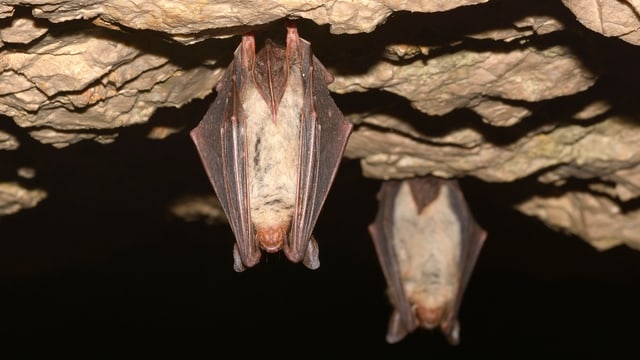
[[271, 144], [427, 242]]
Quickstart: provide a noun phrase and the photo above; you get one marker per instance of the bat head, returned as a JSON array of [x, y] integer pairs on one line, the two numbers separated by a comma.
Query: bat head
[[429, 317], [272, 239]]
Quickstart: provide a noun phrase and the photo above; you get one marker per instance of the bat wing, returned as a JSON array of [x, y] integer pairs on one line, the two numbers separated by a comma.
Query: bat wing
[[473, 237], [403, 319], [324, 134], [220, 141]]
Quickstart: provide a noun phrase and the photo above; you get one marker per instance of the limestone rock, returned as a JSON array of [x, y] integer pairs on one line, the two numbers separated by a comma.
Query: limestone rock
[[609, 17], [22, 31], [188, 17], [405, 152], [527, 26], [498, 113], [61, 139], [464, 78], [14, 198], [91, 80], [8, 141], [160, 132], [5, 11], [26, 172], [198, 207], [596, 219]]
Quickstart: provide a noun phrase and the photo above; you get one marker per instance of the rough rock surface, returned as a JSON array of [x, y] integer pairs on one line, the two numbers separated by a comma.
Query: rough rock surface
[[522, 92], [187, 18], [196, 207], [8, 141], [587, 215], [609, 17], [14, 198]]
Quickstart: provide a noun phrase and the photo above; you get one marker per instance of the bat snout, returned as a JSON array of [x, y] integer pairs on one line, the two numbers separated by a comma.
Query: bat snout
[[271, 239], [430, 317]]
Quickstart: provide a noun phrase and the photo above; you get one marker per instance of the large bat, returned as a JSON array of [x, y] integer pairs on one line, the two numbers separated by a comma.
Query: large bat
[[271, 144], [427, 242]]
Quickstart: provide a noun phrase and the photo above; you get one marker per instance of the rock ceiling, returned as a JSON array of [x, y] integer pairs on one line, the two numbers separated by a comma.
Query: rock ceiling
[[540, 93]]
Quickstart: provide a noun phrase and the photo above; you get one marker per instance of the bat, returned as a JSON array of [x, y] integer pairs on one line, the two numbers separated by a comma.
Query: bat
[[271, 143], [427, 242]]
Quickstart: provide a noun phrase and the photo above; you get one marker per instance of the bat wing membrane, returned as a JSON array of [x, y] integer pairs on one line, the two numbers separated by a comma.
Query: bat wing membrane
[[403, 319], [324, 134], [220, 140], [473, 237]]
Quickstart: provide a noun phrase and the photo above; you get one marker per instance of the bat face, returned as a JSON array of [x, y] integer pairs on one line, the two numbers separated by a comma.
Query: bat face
[[427, 243], [271, 144]]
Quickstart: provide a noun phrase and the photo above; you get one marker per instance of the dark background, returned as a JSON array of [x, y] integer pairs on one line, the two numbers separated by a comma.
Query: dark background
[[102, 259]]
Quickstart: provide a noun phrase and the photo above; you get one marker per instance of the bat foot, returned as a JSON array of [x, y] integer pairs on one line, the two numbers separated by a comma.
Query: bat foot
[[396, 331], [312, 255], [453, 334], [310, 258], [238, 266]]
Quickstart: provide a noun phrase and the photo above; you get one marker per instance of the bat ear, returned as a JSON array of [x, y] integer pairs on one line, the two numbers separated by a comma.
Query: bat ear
[[396, 331]]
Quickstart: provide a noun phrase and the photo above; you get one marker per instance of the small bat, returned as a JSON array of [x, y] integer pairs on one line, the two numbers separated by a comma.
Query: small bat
[[271, 144], [427, 242]]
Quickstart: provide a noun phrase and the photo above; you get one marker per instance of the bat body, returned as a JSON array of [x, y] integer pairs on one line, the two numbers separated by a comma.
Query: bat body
[[271, 144], [427, 242]]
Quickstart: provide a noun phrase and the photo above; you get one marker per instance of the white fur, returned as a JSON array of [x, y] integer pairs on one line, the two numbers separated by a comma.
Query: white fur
[[428, 248], [278, 153]]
